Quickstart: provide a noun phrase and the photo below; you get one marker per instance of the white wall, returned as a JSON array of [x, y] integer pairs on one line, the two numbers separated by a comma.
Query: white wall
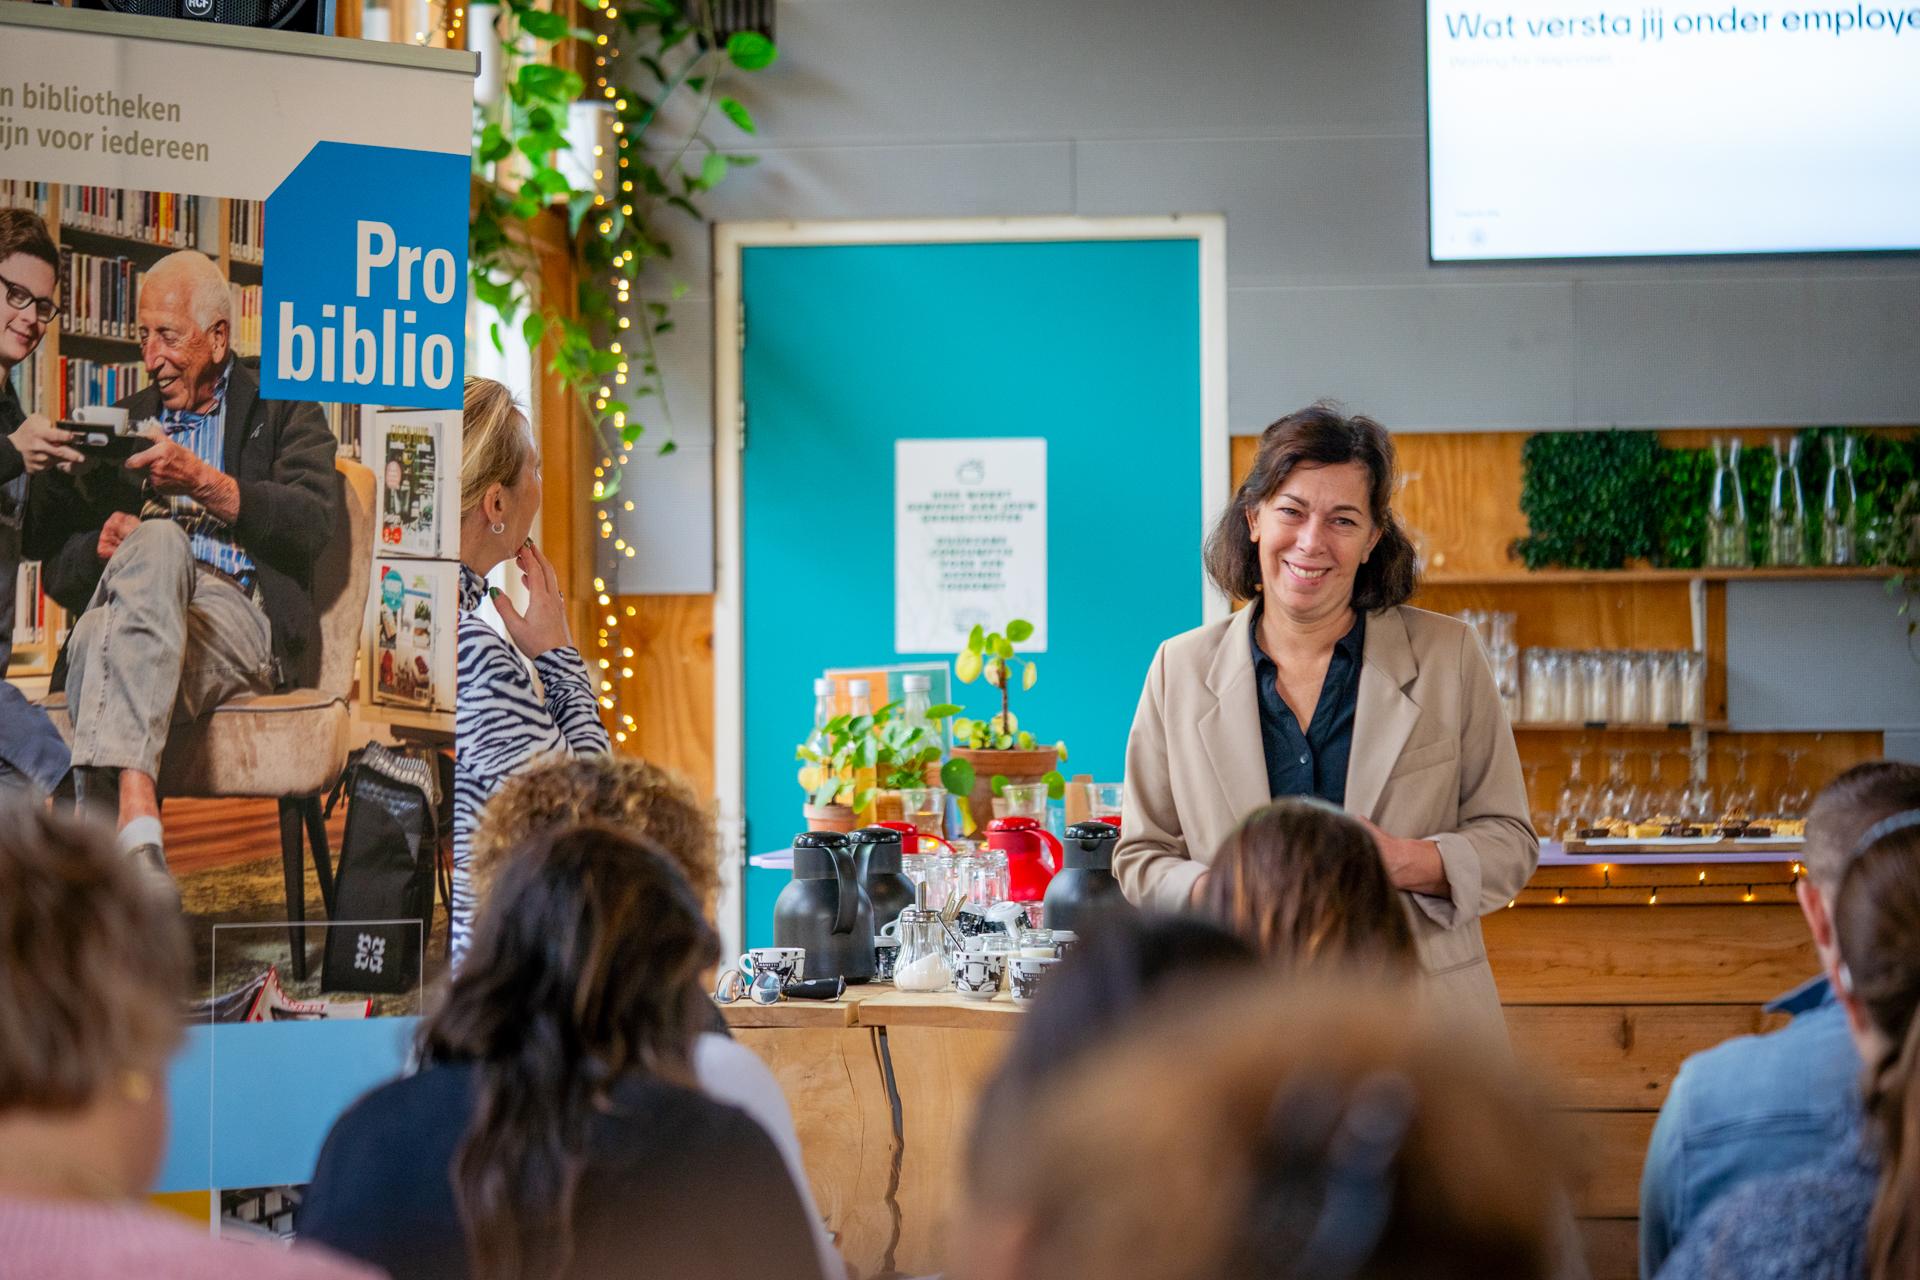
[[1304, 123]]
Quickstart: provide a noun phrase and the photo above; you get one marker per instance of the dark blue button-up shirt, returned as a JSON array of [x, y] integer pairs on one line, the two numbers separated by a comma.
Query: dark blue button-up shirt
[[1313, 763]]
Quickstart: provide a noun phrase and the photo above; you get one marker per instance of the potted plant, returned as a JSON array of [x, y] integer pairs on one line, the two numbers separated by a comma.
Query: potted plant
[[991, 754], [853, 756]]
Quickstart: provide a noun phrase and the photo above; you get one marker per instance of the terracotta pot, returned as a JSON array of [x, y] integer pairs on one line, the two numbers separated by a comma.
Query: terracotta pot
[[829, 817], [1015, 766]]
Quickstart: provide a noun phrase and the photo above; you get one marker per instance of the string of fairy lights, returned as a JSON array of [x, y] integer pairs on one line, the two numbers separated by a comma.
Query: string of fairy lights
[[1564, 894]]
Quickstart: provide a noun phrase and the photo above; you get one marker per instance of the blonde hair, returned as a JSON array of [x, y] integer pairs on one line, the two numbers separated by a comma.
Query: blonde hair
[[1246, 1153], [623, 792], [494, 447], [93, 963]]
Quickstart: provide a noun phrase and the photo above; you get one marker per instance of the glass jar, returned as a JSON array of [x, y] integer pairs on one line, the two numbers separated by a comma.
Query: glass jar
[[923, 963], [1631, 672], [1537, 669], [1693, 686], [1596, 687], [1663, 688], [1570, 692]]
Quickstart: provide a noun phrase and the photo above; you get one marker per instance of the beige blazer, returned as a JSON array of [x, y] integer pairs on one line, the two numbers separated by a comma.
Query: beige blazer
[[1433, 758]]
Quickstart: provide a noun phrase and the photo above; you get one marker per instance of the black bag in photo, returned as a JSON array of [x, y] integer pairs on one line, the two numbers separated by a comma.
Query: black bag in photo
[[383, 889]]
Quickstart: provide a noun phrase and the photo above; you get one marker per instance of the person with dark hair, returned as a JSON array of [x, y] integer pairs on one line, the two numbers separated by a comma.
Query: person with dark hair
[[31, 750], [93, 983], [1303, 882], [1263, 1129], [1765, 1104], [1855, 1213], [642, 799], [1328, 685], [554, 1130]]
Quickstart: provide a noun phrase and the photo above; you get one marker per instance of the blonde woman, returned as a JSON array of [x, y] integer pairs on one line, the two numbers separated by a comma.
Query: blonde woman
[[504, 723]]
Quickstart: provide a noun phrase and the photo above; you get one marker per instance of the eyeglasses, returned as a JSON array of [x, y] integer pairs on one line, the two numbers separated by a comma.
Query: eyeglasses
[[19, 297]]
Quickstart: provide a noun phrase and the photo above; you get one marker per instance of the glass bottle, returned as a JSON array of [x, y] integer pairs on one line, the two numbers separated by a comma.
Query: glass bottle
[[859, 698], [916, 700], [1727, 545], [1787, 506], [822, 713], [1839, 526]]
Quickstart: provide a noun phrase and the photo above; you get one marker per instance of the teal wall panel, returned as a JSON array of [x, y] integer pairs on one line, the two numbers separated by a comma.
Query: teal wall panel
[[1093, 345]]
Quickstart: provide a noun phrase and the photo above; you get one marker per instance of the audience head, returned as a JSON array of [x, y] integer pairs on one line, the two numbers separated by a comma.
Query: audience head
[[93, 977], [1128, 964], [1841, 813], [585, 967], [1876, 923], [1278, 1128], [499, 475], [622, 792], [1304, 883]]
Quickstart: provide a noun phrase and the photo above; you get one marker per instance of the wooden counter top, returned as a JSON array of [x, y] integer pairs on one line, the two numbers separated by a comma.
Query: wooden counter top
[[876, 1004]]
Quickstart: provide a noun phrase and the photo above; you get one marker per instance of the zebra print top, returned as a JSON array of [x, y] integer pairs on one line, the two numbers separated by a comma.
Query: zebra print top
[[502, 726]]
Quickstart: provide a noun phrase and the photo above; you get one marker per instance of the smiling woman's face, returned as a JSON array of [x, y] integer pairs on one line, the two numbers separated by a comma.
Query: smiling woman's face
[[1312, 536]]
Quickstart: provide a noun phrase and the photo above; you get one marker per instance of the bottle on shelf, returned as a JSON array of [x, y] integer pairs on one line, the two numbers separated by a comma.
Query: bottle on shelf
[[1839, 531], [1727, 544], [916, 699], [1786, 506], [860, 703], [822, 713]]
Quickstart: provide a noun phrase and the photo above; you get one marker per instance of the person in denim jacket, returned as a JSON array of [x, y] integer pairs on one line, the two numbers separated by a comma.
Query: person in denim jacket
[[1765, 1104]]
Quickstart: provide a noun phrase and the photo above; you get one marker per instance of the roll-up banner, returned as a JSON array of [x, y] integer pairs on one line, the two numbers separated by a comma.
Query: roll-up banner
[[231, 260]]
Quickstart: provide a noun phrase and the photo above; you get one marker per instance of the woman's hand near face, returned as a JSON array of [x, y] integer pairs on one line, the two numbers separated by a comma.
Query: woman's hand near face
[[544, 624], [43, 445]]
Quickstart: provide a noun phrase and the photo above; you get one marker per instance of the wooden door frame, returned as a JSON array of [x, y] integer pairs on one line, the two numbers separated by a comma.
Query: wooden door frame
[[1208, 230]]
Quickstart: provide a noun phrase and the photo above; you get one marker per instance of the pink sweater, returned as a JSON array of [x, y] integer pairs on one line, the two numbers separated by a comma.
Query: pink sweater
[[75, 1240]]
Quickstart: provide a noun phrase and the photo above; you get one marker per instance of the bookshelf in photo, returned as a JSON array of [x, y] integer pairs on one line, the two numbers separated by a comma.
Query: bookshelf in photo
[[109, 237]]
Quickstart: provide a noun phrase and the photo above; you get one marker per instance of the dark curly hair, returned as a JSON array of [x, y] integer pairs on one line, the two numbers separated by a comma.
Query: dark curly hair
[[1322, 434]]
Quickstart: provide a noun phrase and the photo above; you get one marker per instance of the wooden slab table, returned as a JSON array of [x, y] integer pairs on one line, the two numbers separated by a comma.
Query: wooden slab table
[[1609, 976]]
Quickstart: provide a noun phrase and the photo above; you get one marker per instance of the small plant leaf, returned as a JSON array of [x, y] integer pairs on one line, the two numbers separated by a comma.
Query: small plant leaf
[[1028, 677], [966, 667], [1060, 749], [1002, 646], [751, 51], [999, 784], [956, 775], [1019, 629], [741, 117], [976, 639], [1056, 785], [941, 710]]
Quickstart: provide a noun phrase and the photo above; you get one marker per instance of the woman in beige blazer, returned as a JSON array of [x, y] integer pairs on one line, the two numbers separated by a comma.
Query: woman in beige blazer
[[1404, 697]]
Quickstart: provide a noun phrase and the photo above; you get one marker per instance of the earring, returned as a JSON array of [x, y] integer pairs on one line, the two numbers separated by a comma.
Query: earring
[[499, 526]]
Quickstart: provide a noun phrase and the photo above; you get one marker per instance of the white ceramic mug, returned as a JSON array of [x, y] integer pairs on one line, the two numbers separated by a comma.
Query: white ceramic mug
[[789, 964], [975, 977], [1025, 973]]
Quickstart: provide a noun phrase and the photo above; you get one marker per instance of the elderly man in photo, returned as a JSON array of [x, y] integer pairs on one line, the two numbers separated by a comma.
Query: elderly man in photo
[[190, 565]]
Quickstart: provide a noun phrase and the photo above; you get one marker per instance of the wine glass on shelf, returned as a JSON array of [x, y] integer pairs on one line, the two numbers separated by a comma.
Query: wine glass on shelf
[[1664, 799], [1738, 801], [1619, 798], [1537, 812], [1699, 803], [1575, 806], [1793, 797]]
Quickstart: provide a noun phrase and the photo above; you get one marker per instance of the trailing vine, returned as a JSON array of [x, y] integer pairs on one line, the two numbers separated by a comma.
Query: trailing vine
[[525, 168]]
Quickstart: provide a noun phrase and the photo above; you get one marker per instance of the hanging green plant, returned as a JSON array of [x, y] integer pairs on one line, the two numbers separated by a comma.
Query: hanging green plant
[[525, 167]]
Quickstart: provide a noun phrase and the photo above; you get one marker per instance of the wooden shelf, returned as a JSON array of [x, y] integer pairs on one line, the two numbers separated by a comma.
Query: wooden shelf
[[1784, 851], [1595, 726], [1575, 577]]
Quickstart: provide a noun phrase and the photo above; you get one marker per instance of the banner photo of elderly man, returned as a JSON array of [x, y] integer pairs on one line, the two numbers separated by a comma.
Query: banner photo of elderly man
[[233, 319]]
